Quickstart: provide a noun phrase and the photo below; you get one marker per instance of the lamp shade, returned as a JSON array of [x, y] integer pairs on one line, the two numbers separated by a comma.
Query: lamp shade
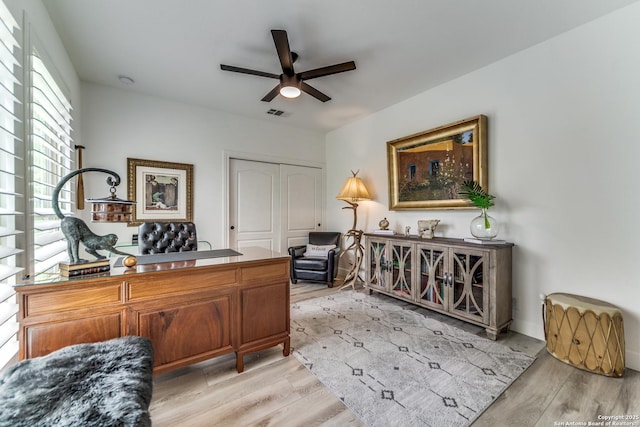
[[353, 190]]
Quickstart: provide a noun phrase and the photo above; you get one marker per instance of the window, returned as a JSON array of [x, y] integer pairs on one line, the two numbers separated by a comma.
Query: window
[[31, 241], [51, 158], [434, 167], [12, 166], [411, 172]]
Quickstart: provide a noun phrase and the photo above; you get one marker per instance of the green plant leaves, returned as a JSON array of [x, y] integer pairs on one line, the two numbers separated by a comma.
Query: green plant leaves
[[476, 194]]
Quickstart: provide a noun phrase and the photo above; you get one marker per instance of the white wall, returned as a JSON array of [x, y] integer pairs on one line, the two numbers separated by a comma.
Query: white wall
[[563, 154], [120, 124]]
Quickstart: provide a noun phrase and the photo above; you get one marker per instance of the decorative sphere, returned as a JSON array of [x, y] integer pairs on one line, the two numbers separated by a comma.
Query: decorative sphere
[[129, 261]]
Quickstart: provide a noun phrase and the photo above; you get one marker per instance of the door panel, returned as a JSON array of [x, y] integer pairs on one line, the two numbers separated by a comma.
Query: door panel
[[264, 312], [188, 330], [301, 203], [432, 279], [469, 293], [376, 258], [254, 193], [273, 205], [45, 338], [401, 268]]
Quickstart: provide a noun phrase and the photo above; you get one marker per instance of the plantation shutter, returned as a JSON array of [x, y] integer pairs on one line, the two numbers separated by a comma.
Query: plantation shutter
[[51, 154], [12, 202]]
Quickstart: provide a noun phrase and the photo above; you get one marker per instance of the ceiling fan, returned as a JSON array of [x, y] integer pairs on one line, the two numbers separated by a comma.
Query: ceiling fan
[[291, 83]]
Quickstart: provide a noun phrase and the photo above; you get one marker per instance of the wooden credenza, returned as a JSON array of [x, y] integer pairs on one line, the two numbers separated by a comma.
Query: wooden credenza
[[468, 281], [190, 310]]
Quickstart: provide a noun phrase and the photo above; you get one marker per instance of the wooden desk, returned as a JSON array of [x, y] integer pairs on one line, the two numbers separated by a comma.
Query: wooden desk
[[191, 310]]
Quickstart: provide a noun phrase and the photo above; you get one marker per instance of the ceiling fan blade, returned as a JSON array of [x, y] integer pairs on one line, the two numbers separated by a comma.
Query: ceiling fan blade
[[314, 92], [272, 94], [284, 52], [325, 71], [248, 71]]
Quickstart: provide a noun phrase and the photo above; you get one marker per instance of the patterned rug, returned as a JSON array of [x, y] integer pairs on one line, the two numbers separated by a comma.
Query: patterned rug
[[395, 367]]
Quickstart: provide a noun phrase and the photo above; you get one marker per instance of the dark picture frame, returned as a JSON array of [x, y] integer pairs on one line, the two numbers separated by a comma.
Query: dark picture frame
[[163, 191], [426, 170]]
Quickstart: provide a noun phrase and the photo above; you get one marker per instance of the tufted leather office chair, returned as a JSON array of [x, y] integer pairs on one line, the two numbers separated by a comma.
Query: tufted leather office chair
[[316, 269], [165, 237]]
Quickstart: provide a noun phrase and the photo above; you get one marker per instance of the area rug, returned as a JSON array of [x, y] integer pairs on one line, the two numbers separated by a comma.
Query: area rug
[[395, 367]]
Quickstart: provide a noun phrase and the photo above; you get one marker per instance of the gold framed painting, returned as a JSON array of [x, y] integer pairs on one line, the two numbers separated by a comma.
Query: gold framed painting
[[426, 170], [163, 191]]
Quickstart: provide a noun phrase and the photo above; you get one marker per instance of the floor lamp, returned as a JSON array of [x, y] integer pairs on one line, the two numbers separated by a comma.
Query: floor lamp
[[352, 192]]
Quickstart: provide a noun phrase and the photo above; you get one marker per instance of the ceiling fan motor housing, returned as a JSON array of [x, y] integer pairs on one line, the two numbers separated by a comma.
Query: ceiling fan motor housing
[[290, 86]]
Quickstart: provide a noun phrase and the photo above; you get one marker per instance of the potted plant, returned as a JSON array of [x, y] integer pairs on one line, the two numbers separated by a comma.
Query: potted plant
[[483, 226]]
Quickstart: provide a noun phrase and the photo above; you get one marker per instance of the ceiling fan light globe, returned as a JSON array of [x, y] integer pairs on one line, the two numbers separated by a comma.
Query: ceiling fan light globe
[[290, 92]]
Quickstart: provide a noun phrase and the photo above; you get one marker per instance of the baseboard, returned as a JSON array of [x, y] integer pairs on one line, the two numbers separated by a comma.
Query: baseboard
[[632, 360], [530, 329], [535, 330]]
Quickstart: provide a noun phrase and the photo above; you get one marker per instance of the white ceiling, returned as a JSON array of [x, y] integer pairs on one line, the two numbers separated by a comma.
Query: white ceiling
[[173, 48]]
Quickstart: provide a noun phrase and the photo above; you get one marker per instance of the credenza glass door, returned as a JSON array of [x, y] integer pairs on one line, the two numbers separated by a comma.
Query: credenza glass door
[[432, 280], [468, 282], [401, 269], [376, 259]]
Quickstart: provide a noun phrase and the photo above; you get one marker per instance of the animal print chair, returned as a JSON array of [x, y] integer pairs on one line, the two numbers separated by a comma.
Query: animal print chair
[[166, 237]]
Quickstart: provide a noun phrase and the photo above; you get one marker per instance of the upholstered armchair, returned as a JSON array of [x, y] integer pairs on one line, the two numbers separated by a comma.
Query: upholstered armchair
[[165, 237], [317, 261]]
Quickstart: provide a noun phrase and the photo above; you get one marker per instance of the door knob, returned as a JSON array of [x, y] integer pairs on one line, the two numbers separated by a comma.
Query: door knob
[[233, 227]]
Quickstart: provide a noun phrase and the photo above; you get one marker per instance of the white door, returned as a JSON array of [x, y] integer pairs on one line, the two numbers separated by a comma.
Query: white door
[[301, 212], [273, 205], [254, 204]]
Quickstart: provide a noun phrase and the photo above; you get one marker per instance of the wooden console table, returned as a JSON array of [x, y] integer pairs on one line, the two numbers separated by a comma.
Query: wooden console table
[[190, 310], [468, 281]]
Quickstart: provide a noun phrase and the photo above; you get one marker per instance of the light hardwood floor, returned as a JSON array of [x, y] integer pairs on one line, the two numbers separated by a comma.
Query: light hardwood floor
[[277, 390]]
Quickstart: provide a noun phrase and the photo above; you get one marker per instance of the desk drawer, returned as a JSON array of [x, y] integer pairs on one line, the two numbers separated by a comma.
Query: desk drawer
[[71, 299], [265, 272], [42, 339], [161, 284]]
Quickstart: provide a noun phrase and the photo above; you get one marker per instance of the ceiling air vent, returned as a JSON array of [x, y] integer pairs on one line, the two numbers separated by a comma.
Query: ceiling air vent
[[275, 112]]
